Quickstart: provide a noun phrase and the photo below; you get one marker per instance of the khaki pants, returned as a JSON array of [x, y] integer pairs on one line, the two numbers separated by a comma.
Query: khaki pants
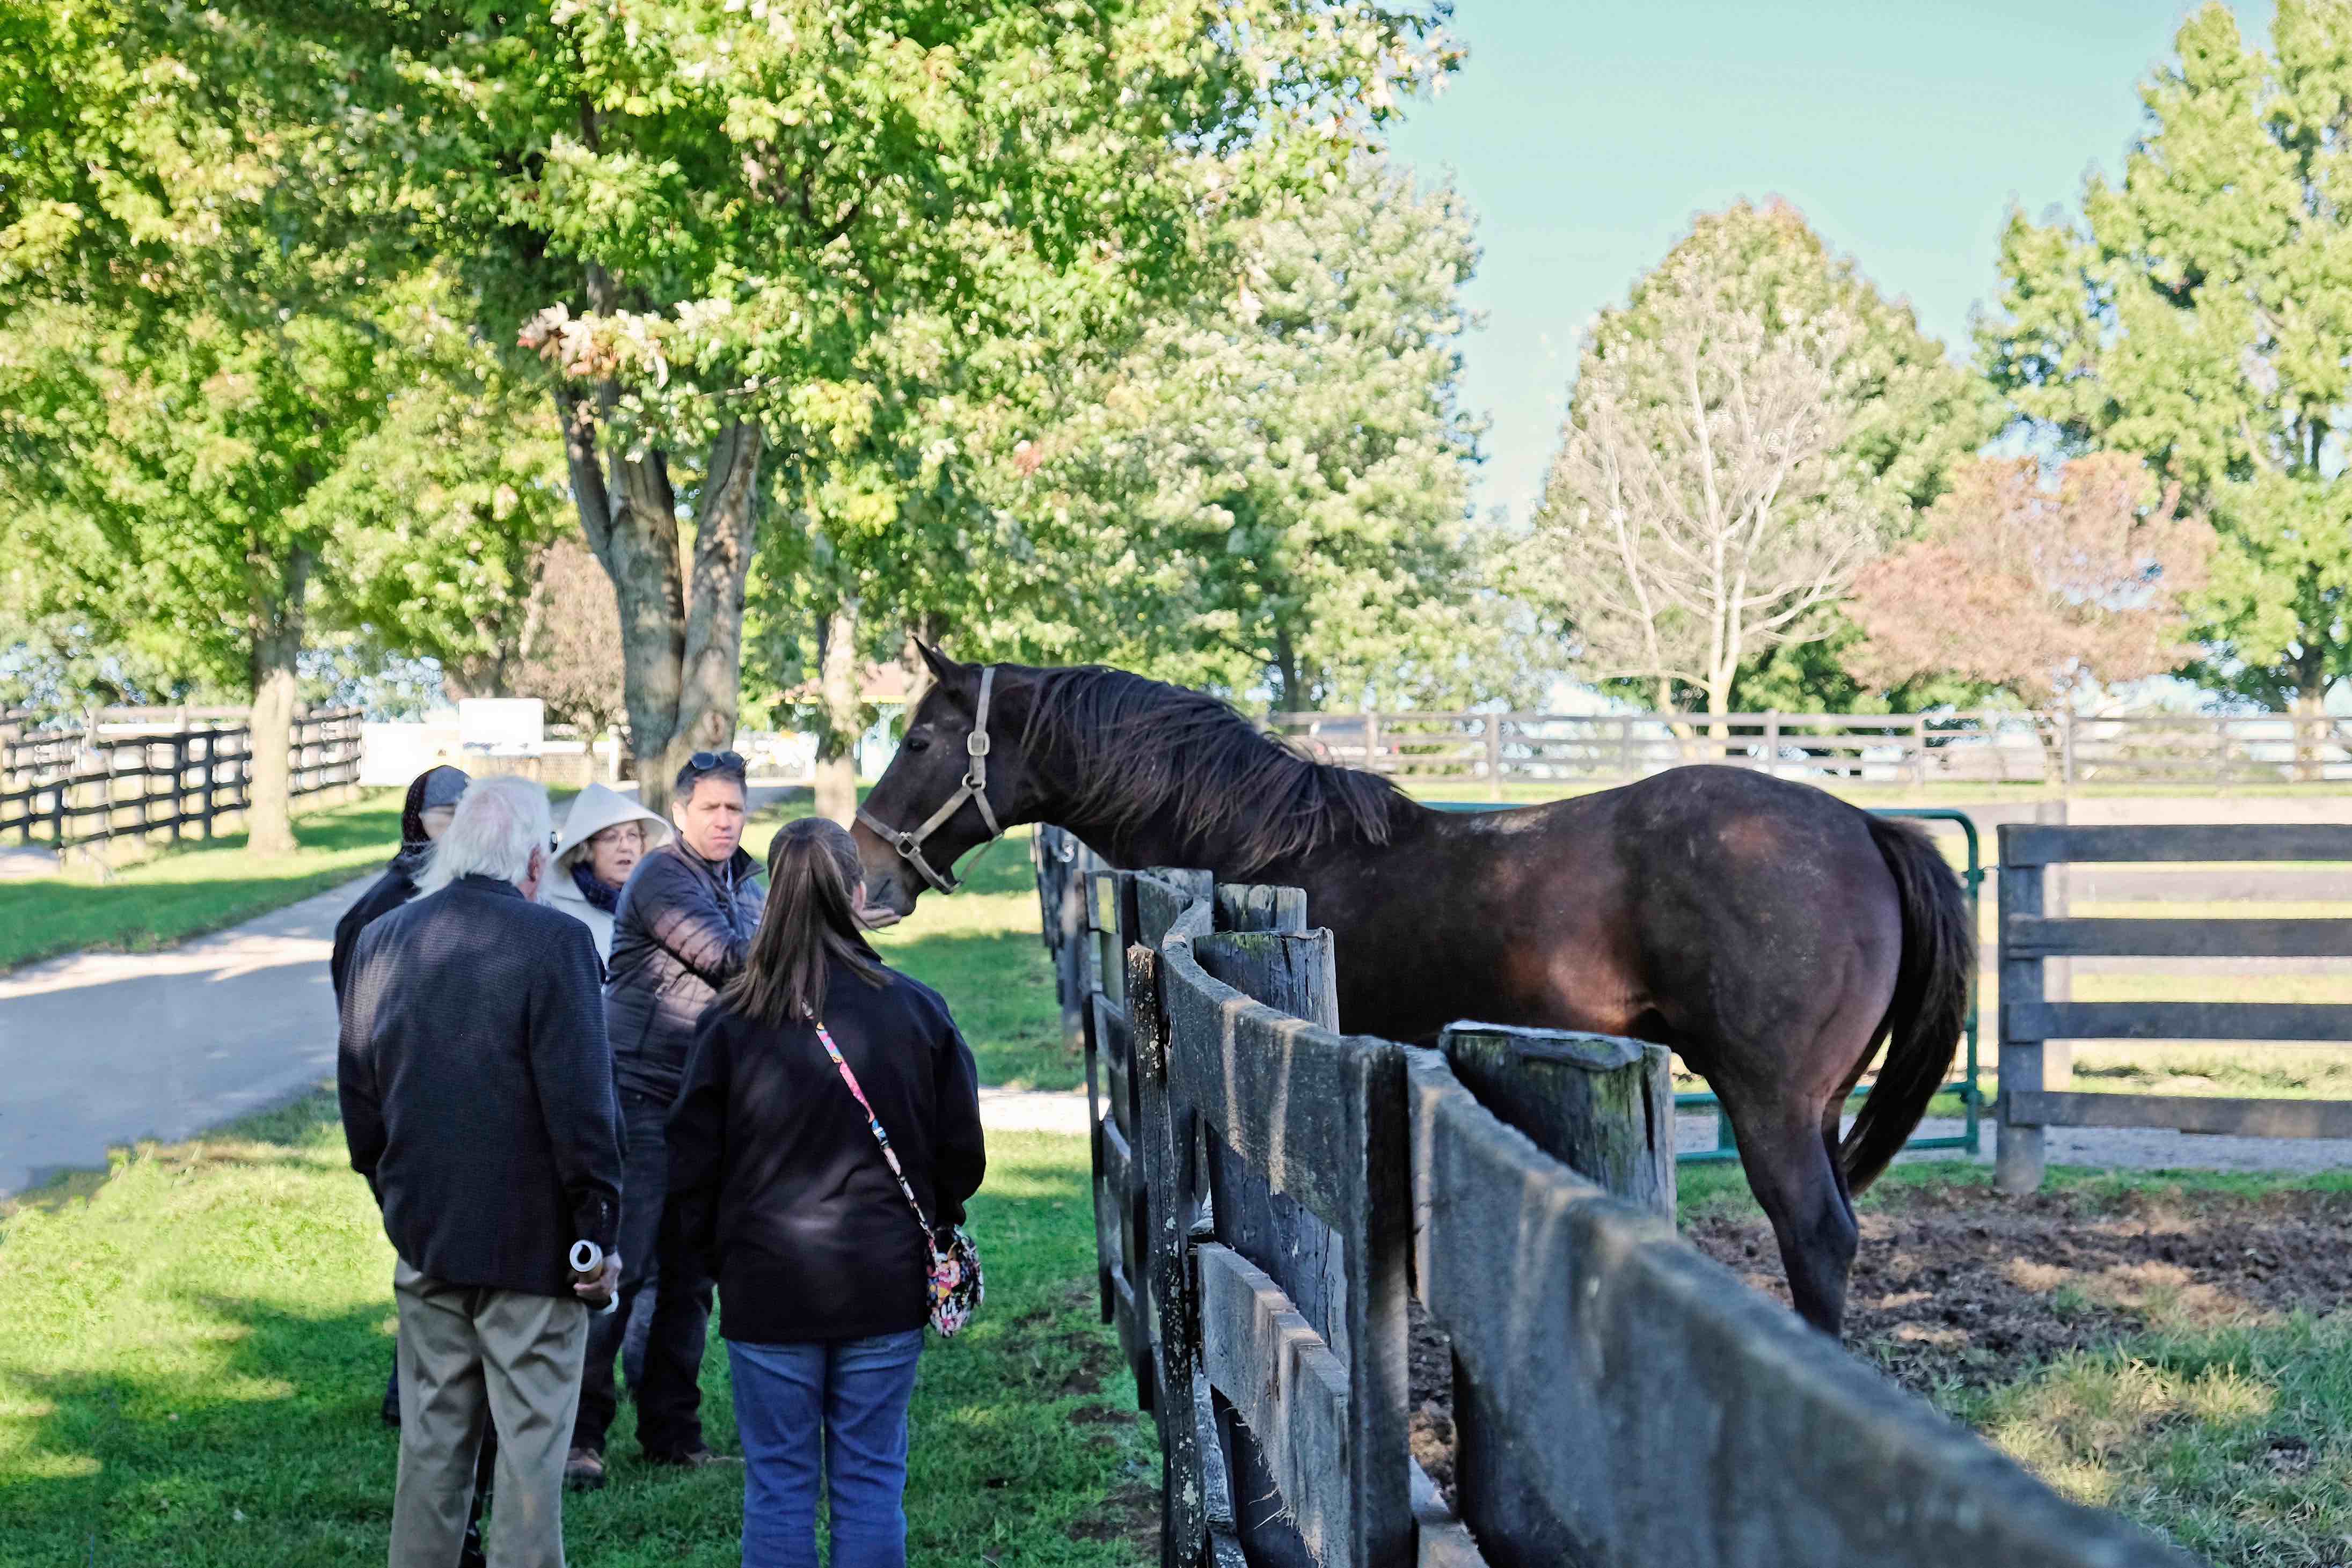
[[461, 1348]]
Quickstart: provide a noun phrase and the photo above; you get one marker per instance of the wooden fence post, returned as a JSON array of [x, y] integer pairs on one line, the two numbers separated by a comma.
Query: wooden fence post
[[211, 738], [2018, 1161], [1602, 1106], [1262, 950], [1772, 745], [2057, 974], [1371, 742], [1493, 756], [1164, 1139]]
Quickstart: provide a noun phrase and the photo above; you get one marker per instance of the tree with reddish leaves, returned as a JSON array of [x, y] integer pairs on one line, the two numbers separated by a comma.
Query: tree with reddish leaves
[[2051, 591]]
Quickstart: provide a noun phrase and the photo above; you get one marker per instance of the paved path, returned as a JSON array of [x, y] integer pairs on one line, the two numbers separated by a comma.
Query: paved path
[[98, 1050], [101, 1050]]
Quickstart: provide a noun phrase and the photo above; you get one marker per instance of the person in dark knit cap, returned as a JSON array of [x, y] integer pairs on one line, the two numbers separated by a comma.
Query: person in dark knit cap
[[432, 797]]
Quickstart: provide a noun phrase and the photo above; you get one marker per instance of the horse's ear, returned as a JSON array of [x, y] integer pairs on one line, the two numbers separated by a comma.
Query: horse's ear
[[943, 669]]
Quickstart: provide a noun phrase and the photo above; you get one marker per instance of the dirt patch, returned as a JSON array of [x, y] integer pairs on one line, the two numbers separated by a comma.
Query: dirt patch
[[1429, 1431], [1130, 1514], [1958, 1285]]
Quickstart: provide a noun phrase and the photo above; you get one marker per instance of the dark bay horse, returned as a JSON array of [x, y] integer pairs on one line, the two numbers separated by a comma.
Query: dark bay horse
[[1769, 932]]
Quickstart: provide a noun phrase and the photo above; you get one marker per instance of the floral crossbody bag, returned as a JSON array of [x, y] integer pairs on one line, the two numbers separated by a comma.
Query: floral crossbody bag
[[956, 1287]]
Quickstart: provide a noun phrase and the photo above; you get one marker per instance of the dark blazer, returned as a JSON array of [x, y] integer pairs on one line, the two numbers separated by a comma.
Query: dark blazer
[[477, 1089], [678, 937], [776, 1178]]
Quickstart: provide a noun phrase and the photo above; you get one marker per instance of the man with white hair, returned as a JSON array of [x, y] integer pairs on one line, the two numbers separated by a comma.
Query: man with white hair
[[476, 1090]]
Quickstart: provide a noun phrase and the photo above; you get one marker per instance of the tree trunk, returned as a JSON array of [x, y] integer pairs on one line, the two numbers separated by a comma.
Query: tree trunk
[[837, 741], [726, 522], [1718, 701], [277, 646], [631, 523], [2309, 712], [1290, 698]]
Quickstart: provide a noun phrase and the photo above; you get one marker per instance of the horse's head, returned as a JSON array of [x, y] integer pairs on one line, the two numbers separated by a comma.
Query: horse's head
[[947, 759]]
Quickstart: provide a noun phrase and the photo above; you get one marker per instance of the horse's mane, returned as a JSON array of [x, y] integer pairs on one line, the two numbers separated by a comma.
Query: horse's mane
[[1161, 753]]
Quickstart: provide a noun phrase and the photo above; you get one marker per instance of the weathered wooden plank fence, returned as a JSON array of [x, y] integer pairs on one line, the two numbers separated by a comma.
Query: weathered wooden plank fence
[[137, 772], [1287, 1193], [2065, 748], [2035, 1031]]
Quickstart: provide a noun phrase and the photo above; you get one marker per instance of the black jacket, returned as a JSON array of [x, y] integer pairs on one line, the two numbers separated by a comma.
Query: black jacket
[[395, 887], [678, 937], [477, 1089], [776, 1178]]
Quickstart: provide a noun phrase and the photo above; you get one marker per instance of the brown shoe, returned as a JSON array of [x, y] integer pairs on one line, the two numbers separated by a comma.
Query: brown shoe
[[583, 1470]]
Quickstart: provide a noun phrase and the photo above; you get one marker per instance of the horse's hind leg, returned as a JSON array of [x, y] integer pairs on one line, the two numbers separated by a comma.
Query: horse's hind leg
[[1791, 1165]]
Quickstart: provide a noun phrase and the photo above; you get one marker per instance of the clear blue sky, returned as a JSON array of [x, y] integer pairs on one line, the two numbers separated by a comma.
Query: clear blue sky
[[1588, 135]]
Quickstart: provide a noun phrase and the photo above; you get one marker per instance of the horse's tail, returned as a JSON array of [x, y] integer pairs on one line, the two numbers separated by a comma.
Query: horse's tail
[[1931, 1000]]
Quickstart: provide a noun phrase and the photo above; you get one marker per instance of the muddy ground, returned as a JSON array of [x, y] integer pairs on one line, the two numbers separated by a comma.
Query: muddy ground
[[1960, 1286]]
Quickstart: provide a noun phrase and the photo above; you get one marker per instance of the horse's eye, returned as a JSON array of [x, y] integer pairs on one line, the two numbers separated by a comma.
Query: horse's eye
[[918, 743]]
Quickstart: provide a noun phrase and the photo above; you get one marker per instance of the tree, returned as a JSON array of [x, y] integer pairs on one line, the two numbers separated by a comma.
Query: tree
[[2052, 592], [438, 522], [184, 346], [704, 216], [1749, 432], [1273, 482], [2196, 314]]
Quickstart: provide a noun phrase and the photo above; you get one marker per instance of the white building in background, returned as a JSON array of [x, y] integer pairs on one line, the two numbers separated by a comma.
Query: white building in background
[[505, 735]]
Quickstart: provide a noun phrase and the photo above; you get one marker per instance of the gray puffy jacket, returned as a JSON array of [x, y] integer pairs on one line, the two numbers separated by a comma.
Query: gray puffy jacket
[[681, 931]]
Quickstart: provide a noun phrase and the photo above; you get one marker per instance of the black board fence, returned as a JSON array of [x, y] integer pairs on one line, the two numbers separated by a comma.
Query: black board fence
[[140, 772], [2030, 1022], [1290, 1195]]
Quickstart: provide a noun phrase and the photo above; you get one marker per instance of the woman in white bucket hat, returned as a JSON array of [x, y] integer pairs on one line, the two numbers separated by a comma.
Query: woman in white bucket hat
[[604, 838]]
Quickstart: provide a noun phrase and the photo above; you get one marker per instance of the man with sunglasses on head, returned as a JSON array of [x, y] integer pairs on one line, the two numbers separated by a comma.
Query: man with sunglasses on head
[[680, 931]]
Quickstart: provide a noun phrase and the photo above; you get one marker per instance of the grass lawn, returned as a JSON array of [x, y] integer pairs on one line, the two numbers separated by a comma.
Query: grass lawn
[[192, 1348], [191, 1359], [194, 890], [2225, 1425]]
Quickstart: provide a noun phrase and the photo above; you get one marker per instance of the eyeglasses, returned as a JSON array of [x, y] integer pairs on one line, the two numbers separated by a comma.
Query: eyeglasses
[[715, 761]]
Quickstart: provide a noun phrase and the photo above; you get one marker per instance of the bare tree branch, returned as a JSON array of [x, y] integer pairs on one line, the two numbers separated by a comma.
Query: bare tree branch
[[1700, 512]]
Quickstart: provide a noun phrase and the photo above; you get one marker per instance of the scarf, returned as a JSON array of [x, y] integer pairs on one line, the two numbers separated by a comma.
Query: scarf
[[605, 898], [410, 862]]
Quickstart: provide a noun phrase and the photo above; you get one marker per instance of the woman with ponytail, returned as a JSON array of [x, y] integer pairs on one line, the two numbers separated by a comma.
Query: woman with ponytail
[[778, 1180]]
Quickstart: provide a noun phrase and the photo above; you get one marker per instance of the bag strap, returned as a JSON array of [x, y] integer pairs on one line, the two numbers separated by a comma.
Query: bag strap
[[881, 1136]]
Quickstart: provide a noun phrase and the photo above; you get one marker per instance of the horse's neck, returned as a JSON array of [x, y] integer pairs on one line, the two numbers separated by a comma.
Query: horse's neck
[[1160, 843]]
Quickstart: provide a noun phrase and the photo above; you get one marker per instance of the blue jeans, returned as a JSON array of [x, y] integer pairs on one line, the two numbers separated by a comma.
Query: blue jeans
[[845, 1401]]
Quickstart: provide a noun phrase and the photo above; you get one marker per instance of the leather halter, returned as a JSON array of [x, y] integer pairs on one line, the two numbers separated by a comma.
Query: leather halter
[[974, 788]]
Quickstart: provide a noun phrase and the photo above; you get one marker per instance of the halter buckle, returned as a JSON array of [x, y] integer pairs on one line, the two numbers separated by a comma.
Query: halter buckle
[[976, 743]]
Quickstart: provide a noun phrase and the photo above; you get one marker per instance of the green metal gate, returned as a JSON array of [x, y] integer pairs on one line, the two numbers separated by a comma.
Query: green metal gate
[[1971, 1098]]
